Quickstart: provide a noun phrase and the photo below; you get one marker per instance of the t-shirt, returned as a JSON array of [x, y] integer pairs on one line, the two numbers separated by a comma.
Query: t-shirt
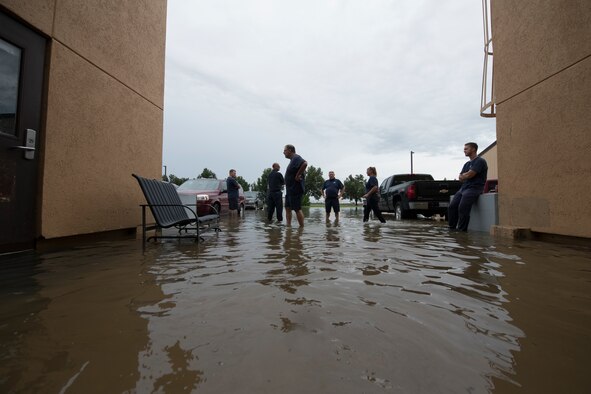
[[290, 173], [233, 187], [332, 187], [275, 181], [371, 182], [479, 166]]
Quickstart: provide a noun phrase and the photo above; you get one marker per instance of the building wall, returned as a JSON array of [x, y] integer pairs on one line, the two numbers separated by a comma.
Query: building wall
[[104, 110], [490, 155], [542, 82]]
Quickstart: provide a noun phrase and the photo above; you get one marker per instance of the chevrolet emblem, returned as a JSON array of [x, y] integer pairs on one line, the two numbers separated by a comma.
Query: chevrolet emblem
[[443, 191]]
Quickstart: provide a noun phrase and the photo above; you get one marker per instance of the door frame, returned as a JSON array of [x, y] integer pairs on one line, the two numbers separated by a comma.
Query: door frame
[[23, 227]]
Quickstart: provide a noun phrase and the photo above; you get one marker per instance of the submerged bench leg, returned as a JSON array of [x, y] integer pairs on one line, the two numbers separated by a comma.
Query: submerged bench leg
[[143, 225]]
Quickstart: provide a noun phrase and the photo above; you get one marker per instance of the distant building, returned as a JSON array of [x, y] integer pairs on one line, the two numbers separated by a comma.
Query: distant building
[[542, 95], [490, 155], [82, 85]]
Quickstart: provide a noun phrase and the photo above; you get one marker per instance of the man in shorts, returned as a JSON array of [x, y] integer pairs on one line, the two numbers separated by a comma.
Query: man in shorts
[[332, 191], [294, 184]]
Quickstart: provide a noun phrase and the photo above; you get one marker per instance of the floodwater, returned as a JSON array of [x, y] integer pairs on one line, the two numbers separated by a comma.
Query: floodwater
[[404, 307]]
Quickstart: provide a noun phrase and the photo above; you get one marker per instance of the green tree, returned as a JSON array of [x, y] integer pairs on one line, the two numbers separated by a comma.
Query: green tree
[[207, 173], [243, 183], [314, 182], [354, 187], [261, 184]]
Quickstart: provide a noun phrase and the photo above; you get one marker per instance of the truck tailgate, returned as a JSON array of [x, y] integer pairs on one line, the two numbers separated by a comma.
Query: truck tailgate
[[436, 190]]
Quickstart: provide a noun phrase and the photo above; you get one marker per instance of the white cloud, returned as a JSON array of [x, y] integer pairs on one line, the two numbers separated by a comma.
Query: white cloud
[[349, 83]]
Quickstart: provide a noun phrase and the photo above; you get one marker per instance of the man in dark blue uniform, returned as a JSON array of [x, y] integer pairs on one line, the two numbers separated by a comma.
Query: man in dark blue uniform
[[332, 191], [473, 177], [275, 183], [233, 194], [294, 184]]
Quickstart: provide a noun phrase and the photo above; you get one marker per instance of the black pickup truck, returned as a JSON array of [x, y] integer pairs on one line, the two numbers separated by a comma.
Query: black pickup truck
[[410, 194]]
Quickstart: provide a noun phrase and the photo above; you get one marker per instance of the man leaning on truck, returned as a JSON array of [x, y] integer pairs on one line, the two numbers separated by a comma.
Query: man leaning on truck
[[473, 177]]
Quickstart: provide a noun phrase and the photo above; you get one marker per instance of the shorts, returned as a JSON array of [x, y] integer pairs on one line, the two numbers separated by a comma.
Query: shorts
[[233, 203], [294, 201], [332, 203]]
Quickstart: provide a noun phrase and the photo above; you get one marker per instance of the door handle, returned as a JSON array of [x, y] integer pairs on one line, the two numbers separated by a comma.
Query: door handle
[[29, 146], [22, 148]]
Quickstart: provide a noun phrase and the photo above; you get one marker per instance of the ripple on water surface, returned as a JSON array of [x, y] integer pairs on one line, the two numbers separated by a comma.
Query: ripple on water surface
[[334, 307], [401, 305]]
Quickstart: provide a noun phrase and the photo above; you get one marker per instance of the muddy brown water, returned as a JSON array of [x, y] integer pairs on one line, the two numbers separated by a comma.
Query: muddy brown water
[[404, 307]]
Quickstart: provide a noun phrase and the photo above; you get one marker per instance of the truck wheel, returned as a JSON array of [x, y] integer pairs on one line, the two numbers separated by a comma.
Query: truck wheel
[[401, 213], [398, 212]]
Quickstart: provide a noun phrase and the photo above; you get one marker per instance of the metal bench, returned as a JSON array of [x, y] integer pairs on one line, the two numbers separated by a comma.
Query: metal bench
[[168, 211]]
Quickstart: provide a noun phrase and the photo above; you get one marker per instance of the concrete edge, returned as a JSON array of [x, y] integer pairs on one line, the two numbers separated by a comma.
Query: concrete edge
[[511, 232]]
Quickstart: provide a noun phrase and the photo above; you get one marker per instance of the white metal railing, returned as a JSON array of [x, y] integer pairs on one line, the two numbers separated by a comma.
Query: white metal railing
[[487, 104]]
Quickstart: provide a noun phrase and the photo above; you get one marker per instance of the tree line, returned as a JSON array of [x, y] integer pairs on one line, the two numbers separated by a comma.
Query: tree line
[[314, 180]]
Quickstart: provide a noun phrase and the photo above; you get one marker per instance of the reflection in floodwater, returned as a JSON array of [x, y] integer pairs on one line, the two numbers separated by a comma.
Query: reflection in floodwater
[[70, 321], [333, 307]]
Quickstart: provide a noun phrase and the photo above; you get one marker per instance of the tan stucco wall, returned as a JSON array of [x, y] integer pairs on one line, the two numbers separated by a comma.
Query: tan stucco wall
[[98, 133], [38, 13], [543, 117], [122, 38], [104, 112], [533, 40]]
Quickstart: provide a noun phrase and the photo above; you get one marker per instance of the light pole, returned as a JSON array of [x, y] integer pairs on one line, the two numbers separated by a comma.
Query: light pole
[[411, 171]]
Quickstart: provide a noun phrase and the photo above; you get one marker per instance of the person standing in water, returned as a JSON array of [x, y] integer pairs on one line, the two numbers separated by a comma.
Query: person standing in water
[[294, 184], [275, 183], [372, 196], [332, 191], [233, 193]]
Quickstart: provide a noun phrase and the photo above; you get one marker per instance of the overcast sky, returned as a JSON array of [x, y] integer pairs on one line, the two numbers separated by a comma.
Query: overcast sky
[[351, 84]]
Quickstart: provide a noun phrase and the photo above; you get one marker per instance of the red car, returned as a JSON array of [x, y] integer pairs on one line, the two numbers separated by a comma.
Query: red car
[[210, 195], [491, 186]]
